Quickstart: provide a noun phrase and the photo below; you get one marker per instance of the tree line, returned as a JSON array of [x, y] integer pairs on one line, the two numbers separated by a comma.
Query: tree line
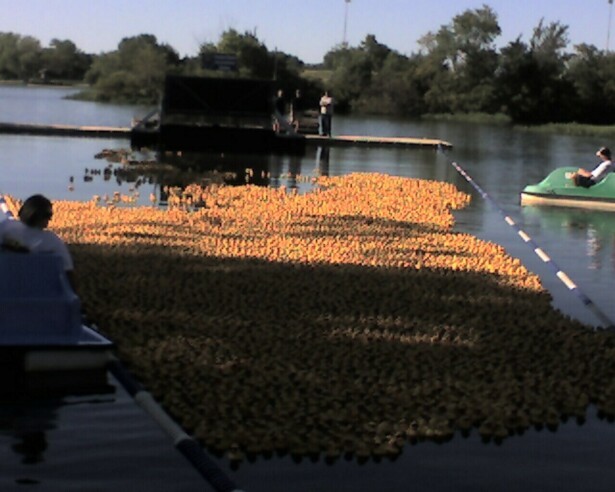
[[458, 69]]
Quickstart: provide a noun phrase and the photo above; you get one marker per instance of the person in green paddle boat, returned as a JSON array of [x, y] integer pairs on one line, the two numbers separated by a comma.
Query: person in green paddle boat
[[586, 178]]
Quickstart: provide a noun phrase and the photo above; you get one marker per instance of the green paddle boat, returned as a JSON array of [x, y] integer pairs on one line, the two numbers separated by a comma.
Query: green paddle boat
[[557, 189]]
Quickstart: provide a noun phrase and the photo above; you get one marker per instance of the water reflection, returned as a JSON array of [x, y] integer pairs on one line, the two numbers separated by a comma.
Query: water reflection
[[164, 172], [322, 160], [594, 230], [28, 424]]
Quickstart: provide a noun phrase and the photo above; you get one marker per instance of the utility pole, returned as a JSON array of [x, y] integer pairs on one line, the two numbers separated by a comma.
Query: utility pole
[[344, 41], [608, 31]]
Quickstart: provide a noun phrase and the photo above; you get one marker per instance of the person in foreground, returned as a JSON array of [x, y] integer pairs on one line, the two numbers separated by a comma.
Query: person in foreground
[[29, 234], [586, 178]]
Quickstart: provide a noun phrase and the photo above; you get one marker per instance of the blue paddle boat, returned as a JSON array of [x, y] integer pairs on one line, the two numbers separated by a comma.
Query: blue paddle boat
[[44, 344]]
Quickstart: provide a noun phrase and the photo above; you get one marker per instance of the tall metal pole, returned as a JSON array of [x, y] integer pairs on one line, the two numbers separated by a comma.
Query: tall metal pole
[[608, 31], [344, 42]]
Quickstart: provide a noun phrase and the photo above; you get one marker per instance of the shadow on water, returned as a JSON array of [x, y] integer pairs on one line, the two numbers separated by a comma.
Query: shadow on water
[[29, 419], [28, 422]]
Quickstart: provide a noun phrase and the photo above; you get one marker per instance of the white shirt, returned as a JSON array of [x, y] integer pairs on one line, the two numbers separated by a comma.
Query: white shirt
[[326, 105], [35, 240], [602, 169]]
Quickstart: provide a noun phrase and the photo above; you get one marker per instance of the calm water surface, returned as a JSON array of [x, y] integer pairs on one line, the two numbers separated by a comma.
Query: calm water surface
[[107, 443]]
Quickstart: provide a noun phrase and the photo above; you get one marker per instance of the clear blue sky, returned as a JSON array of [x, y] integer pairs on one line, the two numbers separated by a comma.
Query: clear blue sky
[[304, 28]]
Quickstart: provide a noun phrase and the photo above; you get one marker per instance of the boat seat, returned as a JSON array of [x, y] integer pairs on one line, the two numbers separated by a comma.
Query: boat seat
[[37, 303]]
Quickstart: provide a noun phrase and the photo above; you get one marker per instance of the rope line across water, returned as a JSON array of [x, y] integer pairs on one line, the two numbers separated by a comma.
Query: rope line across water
[[565, 279]]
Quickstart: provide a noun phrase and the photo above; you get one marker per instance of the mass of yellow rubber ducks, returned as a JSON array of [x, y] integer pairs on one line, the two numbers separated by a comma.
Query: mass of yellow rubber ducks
[[348, 320]]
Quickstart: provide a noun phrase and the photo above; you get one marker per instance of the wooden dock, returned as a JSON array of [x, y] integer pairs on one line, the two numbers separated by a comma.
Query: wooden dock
[[355, 140], [125, 132], [65, 130]]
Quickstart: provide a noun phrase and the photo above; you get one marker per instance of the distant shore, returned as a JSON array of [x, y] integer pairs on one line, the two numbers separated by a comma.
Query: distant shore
[[578, 129]]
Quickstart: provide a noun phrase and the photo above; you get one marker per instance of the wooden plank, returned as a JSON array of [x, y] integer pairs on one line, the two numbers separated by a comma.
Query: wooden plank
[[378, 141], [64, 130]]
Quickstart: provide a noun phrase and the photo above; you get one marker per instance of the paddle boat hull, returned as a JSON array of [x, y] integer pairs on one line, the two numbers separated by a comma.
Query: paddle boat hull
[[558, 190], [44, 345]]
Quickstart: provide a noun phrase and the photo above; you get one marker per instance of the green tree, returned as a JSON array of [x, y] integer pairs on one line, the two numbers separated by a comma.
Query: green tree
[[584, 70], [395, 89], [592, 74], [133, 73], [335, 57], [351, 79], [29, 52], [253, 58], [470, 32], [20, 56], [376, 52], [64, 60], [9, 59], [460, 60], [531, 81], [548, 43], [353, 72], [516, 81]]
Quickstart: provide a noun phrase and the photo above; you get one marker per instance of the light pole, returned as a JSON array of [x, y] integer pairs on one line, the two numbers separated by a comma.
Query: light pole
[[344, 42], [608, 31]]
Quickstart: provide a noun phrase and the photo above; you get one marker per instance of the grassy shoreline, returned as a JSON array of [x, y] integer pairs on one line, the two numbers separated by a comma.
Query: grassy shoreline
[[484, 118], [577, 129], [572, 128]]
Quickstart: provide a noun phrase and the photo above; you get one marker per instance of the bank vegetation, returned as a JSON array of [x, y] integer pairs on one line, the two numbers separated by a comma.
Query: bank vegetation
[[458, 70]]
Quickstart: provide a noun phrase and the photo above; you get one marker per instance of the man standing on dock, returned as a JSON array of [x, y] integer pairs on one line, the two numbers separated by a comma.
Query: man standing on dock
[[326, 114]]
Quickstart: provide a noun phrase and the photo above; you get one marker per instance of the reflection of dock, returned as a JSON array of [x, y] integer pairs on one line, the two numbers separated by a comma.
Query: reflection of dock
[[125, 132]]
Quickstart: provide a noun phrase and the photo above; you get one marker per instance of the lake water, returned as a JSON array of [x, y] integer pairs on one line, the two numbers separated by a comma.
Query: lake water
[[106, 443]]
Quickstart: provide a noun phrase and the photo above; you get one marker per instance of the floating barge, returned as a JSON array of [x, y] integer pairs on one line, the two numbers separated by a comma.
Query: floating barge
[[202, 113]]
